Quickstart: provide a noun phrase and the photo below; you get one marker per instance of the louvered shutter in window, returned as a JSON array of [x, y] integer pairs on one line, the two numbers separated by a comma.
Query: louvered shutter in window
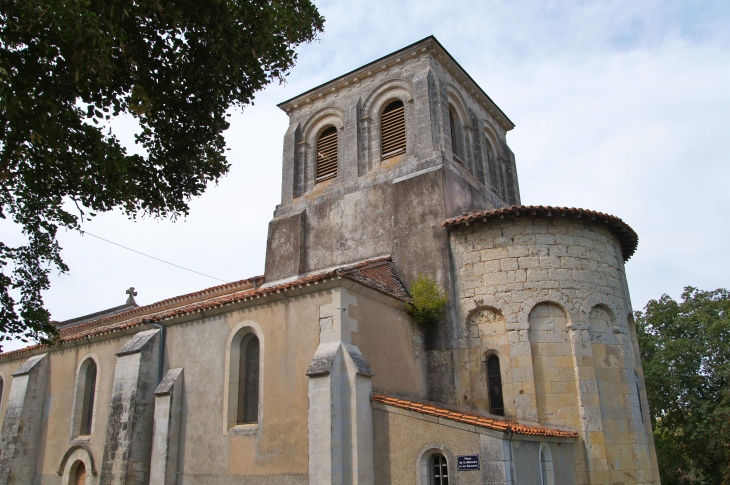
[[327, 154], [393, 130]]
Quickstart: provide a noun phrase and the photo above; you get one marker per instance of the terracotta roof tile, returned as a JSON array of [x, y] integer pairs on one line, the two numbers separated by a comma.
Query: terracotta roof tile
[[165, 304], [481, 421], [378, 274], [627, 237]]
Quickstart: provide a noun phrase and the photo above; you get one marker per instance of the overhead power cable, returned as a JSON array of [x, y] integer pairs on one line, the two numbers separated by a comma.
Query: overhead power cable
[[157, 259]]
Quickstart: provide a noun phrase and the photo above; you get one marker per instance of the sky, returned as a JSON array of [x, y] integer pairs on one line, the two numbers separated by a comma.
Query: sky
[[620, 106]]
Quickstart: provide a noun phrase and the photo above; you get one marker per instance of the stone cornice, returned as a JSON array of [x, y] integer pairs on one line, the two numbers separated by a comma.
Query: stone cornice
[[428, 47]]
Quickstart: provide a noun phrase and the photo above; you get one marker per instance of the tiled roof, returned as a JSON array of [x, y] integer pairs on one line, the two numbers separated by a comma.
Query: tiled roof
[[165, 304], [109, 312], [474, 419], [378, 274], [627, 237]]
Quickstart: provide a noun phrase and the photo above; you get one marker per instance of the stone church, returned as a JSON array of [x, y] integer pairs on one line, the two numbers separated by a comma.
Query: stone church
[[314, 373]]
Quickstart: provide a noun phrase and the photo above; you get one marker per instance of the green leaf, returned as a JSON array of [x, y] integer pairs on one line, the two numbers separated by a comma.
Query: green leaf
[[685, 350], [428, 301]]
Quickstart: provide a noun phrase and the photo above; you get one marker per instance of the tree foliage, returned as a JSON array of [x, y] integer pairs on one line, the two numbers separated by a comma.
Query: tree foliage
[[69, 66], [685, 349], [428, 301]]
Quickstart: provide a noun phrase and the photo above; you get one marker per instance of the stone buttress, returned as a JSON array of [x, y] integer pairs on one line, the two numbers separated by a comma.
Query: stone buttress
[[128, 446], [19, 442], [340, 415]]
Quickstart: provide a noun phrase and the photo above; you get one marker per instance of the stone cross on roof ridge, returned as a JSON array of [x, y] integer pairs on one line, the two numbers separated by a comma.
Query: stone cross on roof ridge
[[132, 294]]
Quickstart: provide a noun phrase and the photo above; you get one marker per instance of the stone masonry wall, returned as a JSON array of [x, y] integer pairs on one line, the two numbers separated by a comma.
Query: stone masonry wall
[[561, 288]]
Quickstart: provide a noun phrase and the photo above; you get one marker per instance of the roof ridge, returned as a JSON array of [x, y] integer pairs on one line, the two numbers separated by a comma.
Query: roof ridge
[[143, 310]]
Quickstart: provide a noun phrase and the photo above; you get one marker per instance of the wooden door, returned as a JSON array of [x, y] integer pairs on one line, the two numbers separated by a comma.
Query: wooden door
[[80, 478]]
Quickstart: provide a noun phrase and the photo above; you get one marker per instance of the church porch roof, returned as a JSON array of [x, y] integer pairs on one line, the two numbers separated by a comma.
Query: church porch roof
[[490, 422]]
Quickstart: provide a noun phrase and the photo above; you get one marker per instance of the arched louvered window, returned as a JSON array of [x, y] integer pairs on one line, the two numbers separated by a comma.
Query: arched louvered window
[[393, 130], [89, 394], [248, 384], [494, 379], [327, 154], [457, 142], [439, 470]]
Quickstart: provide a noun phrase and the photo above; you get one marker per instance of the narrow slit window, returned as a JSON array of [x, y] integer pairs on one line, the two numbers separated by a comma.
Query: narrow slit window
[[638, 396], [439, 470], [248, 388], [393, 130], [87, 410], [327, 154], [494, 378]]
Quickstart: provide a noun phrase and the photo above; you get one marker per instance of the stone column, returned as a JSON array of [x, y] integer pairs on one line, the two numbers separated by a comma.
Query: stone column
[[126, 459], [340, 414], [23, 422], [166, 434]]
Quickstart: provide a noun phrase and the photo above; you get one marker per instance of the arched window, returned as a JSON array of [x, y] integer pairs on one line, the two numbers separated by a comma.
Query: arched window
[[89, 393], [494, 378], [493, 171], [503, 181], [439, 470], [327, 154], [393, 130], [2, 390], [83, 412], [457, 142], [546, 466], [79, 476], [248, 381]]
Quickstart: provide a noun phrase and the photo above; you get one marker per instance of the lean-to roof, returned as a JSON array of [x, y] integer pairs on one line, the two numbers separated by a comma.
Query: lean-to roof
[[490, 422]]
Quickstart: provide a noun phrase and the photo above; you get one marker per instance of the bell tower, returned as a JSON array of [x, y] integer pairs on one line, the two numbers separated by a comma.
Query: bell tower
[[376, 159]]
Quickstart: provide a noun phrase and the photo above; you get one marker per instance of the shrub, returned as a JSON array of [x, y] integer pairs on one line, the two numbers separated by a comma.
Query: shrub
[[428, 301]]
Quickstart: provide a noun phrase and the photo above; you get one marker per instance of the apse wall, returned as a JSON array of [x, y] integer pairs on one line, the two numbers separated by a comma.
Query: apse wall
[[560, 287]]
